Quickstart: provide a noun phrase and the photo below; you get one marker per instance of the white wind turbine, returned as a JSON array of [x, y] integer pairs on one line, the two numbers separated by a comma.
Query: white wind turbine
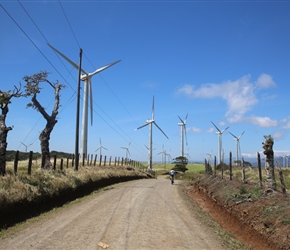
[[150, 122], [238, 147], [86, 77], [127, 150], [182, 133], [100, 147], [219, 133], [26, 146]]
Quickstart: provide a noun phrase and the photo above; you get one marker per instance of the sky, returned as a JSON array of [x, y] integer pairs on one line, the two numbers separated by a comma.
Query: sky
[[226, 62]]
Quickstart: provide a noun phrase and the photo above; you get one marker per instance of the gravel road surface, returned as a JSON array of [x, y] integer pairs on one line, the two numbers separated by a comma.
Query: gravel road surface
[[142, 214]]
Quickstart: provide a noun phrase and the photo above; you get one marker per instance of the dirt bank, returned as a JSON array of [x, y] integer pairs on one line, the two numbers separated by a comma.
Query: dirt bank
[[260, 222]]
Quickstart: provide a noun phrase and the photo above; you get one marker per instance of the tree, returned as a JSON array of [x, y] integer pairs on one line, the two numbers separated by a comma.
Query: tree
[[268, 151], [180, 163], [33, 89], [5, 100]]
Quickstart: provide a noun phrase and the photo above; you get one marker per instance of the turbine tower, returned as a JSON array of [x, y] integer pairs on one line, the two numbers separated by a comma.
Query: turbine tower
[[100, 148], [219, 133], [238, 148], [182, 132], [150, 122], [86, 77]]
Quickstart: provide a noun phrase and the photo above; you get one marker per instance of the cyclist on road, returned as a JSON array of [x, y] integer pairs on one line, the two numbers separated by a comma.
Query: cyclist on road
[[172, 173]]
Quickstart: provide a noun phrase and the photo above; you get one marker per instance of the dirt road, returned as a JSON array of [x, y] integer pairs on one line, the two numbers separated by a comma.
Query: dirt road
[[143, 214]]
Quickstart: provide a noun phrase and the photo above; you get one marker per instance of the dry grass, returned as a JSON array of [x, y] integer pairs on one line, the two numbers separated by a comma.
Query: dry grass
[[22, 186]]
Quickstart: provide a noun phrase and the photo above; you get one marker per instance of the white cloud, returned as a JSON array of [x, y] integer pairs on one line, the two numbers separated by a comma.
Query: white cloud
[[277, 135], [265, 81], [264, 122], [210, 130], [239, 96], [196, 130]]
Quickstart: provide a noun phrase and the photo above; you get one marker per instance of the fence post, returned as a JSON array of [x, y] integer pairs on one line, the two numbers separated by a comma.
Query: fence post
[[61, 164], [88, 160], [260, 170], [95, 160], [92, 155], [73, 160], [100, 160], [110, 160], [54, 162], [30, 163], [67, 162], [214, 167], [231, 167], [244, 171], [105, 159], [84, 156], [16, 162], [281, 178]]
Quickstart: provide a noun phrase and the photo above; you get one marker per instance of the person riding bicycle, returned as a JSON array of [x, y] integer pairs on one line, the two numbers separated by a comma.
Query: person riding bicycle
[[172, 173]]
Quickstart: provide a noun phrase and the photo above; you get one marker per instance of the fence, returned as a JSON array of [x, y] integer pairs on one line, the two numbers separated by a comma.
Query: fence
[[223, 166], [90, 160]]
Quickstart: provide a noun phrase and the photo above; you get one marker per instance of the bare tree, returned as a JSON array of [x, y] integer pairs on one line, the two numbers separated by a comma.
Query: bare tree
[[5, 100], [33, 89], [268, 151]]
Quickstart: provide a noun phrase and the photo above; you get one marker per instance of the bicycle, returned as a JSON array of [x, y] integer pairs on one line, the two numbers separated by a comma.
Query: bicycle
[[172, 179]]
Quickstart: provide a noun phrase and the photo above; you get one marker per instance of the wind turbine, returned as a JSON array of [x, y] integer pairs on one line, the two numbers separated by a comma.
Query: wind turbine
[[26, 146], [238, 149], [182, 132], [127, 150], [100, 148], [163, 152], [219, 133], [86, 77], [150, 122]]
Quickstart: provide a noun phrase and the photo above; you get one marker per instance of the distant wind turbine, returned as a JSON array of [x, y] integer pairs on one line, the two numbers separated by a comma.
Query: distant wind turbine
[[26, 146], [238, 147], [100, 147], [127, 150], [219, 133], [86, 77], [150, 122], [182, 133]]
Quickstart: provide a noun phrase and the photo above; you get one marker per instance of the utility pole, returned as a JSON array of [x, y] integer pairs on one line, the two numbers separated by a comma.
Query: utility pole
[[78, 115]]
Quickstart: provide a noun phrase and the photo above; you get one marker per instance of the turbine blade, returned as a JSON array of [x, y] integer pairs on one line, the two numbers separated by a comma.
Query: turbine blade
[[232, 135], [181, 120], [160, 129], [105, 148], [66, 58], [224, 129], [241, 135], [216, 127], [186, 117], [103, 68], [142, 126]]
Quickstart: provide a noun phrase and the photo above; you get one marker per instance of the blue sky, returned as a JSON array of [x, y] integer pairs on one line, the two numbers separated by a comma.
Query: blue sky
[[221, 61]]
